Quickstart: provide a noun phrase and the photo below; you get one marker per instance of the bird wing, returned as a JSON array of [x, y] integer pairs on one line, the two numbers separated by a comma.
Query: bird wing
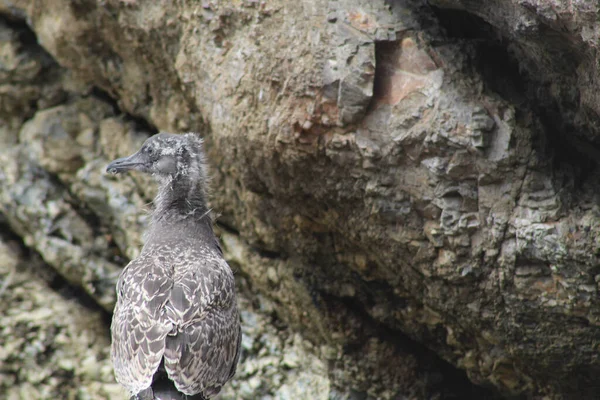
[[139, 327], [202, 354]]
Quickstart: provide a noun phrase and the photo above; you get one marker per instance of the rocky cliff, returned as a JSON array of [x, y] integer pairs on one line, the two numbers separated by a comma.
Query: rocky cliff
[[406, 190]]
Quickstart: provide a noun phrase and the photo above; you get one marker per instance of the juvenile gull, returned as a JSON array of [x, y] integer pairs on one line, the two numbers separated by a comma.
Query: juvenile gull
[[175, 329]]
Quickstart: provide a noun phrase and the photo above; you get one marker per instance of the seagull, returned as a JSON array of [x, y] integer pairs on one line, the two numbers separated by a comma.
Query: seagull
[[176, 326]]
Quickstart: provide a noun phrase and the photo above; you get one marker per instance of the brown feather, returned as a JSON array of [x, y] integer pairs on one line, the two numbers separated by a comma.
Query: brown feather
[[176, 321]]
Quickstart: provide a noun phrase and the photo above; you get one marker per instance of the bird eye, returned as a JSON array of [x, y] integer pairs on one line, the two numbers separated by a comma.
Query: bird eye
[[149, 150]]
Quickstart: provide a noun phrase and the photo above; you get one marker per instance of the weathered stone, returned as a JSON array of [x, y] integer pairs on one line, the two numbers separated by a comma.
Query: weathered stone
[[51, 345], [381, 170]]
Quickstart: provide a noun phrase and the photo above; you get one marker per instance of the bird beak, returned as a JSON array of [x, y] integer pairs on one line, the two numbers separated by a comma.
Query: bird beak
[[125, 164]]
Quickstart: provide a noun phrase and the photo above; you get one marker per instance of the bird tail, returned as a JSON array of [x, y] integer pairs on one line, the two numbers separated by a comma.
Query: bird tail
[[164, 389], [166, 392]]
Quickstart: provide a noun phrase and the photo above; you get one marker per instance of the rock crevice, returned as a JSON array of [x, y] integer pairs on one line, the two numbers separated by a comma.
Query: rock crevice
[[382, 171]]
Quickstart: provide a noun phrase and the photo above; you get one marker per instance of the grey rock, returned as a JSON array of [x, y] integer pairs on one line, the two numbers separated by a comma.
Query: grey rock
[[382, 172], [51, 346]]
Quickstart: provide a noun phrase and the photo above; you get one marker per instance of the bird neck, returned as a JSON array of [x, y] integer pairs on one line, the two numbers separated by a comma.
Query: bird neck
[[180, 198]]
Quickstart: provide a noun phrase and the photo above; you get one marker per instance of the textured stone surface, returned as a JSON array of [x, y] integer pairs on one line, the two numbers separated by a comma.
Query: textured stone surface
[[51, 346], [385, 174]]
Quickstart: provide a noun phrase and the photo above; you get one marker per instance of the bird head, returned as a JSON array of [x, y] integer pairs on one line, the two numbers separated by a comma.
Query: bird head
[[164, 155]]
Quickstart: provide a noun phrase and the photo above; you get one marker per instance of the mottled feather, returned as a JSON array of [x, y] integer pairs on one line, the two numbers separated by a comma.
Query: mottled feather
[[175, 328]]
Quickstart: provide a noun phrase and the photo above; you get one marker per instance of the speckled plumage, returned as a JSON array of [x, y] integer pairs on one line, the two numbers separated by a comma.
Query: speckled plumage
[[175, 329]]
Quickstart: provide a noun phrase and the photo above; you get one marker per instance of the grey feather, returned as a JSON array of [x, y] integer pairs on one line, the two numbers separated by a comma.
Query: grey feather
[[175, 329]]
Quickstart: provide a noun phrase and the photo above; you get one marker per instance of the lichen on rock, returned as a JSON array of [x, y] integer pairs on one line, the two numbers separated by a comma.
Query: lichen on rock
[[406, 183]]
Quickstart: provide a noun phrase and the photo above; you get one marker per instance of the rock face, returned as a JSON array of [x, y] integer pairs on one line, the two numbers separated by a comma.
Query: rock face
[[407, 190]]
